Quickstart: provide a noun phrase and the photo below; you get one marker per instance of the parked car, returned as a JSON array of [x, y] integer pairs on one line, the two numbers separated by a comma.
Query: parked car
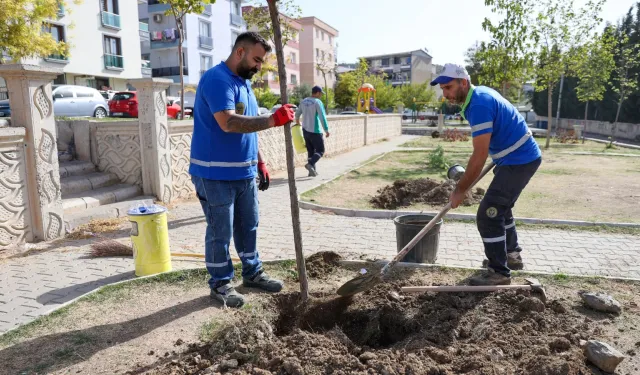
[[5, 111], [73, 101], [107, 94], [188, 110], [275, 107], [263, 111], [125, 104]]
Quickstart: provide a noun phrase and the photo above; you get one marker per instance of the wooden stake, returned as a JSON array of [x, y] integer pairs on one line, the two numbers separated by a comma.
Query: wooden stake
[[293, 191]]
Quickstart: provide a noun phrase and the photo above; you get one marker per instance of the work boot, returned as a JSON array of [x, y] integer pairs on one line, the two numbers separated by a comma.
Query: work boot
[[490, 277], [226, 294], [262, 281], [514, 261], [312, 170]]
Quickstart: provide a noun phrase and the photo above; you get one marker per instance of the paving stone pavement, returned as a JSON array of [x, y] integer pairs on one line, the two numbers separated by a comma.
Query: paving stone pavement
[[57, 272]]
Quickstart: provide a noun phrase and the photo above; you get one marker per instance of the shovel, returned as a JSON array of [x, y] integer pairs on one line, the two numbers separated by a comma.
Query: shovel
[[367, 281]]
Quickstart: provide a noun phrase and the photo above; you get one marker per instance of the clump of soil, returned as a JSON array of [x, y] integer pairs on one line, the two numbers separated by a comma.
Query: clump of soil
[[403, 193], [321, 264], [374, 333]]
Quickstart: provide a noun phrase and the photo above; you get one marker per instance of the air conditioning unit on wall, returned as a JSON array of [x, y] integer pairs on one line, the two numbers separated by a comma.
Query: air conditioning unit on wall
[[157, 18]]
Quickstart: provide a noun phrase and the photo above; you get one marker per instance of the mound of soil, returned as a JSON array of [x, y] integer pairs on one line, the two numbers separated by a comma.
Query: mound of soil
[[403, 193], [378, 333], [320, 265]]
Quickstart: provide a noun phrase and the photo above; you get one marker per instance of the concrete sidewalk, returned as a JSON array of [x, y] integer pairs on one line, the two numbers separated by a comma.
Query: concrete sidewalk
[[58, 272]]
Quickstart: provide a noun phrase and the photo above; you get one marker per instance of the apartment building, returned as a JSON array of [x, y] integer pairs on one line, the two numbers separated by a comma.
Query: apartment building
[[317, 46], [291, 52], [105, 47], [207, 41], [403, 68]]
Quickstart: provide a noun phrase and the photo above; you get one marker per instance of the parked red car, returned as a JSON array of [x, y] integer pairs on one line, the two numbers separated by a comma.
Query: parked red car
[[125, 104]]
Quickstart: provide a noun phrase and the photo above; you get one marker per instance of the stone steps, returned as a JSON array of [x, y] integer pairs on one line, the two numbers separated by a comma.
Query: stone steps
[[88, 194], [108, 211]]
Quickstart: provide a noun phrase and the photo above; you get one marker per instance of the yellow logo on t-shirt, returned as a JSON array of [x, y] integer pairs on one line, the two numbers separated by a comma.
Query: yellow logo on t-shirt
[[240, 108]]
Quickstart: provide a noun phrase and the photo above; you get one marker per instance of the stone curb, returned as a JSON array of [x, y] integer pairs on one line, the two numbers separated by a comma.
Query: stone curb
[[382, 263], [391, 214]]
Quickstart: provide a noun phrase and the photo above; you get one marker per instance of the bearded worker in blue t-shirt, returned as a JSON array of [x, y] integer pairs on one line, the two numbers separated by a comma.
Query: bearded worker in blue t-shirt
[[498, 130], [224, 163]]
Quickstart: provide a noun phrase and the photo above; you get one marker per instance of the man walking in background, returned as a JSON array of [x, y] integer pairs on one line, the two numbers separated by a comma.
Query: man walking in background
[[224, 162], [314, 120]]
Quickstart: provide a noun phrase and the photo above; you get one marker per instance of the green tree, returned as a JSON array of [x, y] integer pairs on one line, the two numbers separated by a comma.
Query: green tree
[[594, 68], [386, 95], [347, 89], [507, 57], [626, 80], [421, 92], [265, 97], [561, 30], [22, 32], [179, 9], [325, 67], [300, 92], [473, 63]]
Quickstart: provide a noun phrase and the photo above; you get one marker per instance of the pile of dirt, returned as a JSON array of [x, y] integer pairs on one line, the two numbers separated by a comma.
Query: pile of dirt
[[322, 264], [379, 332], [403, 193]]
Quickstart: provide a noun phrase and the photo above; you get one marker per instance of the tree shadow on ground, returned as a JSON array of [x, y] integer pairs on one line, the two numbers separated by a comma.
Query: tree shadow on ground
[[59, 350], [62, 295]]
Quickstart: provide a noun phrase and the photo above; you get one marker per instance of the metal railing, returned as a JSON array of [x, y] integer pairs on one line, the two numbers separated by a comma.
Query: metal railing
[[143, 26], [237, 20], [169, 71], [60, 12], [206, 42], [57, 57], [113, 61], [110, 20]]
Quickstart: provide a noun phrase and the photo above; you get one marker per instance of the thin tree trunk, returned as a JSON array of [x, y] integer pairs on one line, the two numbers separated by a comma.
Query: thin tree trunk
[[549, 115], [326, 92], [615, 123], [559, 102], [293, 191], [586, 114], [181, 32]]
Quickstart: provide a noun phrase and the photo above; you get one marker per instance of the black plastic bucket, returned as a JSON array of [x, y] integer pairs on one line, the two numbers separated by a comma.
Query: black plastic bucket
[[407, 227]]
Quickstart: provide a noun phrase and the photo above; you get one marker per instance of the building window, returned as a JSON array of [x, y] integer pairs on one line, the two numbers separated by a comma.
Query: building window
[[57, 33], [317, 33], [110, 6], [396, 60], [330, 40], [237, 10], [317, 72], [205, 39], [113, 53], [294, 79], [385, 62], [317, 54], [206, 63], [205, 28], [234, 36], [322, 54], [323, 36], [110, 14], [293, 58]]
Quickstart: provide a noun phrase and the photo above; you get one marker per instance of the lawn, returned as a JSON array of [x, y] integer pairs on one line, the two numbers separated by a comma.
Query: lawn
[[572, 187]]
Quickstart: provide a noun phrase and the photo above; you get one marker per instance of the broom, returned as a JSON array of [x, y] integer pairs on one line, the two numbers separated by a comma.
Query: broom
[[108, 247]]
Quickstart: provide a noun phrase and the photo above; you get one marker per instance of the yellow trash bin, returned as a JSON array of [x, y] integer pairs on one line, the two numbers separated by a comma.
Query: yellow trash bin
[[298, 139], [150, 239]]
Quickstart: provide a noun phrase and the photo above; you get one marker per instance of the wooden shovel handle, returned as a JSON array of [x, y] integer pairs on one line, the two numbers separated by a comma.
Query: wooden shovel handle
[[430, 225]]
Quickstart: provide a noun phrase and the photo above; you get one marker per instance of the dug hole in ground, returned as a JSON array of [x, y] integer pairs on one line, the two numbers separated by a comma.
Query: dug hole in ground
[[169, 326]]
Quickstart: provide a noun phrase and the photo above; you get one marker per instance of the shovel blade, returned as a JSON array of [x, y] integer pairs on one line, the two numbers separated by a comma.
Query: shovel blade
[[359, 284]]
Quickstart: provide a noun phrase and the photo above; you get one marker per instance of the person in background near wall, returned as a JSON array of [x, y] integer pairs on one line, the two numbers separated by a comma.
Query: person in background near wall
[[314, 120], [224, 162]]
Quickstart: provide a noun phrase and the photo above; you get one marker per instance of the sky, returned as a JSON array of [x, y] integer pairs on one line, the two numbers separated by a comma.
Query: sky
[[445, 28]]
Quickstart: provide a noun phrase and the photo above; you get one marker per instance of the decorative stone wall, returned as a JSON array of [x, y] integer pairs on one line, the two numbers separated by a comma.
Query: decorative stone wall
[[623, 130], [383, 126], [118, 150], [14, 205], [180, 136]]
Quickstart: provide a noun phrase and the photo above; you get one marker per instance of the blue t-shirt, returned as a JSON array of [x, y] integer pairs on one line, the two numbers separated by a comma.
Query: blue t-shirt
[[215, 154], [488, 112]]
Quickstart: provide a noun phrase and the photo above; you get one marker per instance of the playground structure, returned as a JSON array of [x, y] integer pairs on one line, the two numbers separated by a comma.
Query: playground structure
[[367, 99]]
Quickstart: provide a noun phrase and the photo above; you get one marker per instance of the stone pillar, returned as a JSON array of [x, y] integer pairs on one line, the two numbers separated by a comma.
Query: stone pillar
[[155, 147], [32, 108], [440, 122]]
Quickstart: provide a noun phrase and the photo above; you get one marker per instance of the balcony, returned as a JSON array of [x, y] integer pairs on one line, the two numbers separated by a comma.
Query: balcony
[[206, 42], [169, 71], [164, 44], [143, 30], [155, 6], [207, 10], [57, 58], [113, 62], [111, 20], [146, 68], [237, 20], [60, 12]]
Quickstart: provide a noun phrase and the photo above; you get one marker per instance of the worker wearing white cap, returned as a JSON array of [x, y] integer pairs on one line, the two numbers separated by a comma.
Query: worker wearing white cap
[[498, 130]]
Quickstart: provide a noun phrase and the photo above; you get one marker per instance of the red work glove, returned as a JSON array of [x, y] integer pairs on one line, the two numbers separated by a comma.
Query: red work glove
[[263, 174], [283, 115]]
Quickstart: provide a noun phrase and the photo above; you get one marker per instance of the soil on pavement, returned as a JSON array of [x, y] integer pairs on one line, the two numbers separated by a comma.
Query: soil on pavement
[[404, 193]]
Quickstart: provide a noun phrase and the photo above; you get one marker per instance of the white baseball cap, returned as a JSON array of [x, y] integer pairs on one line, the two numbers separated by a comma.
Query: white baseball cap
[[449, 73]]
